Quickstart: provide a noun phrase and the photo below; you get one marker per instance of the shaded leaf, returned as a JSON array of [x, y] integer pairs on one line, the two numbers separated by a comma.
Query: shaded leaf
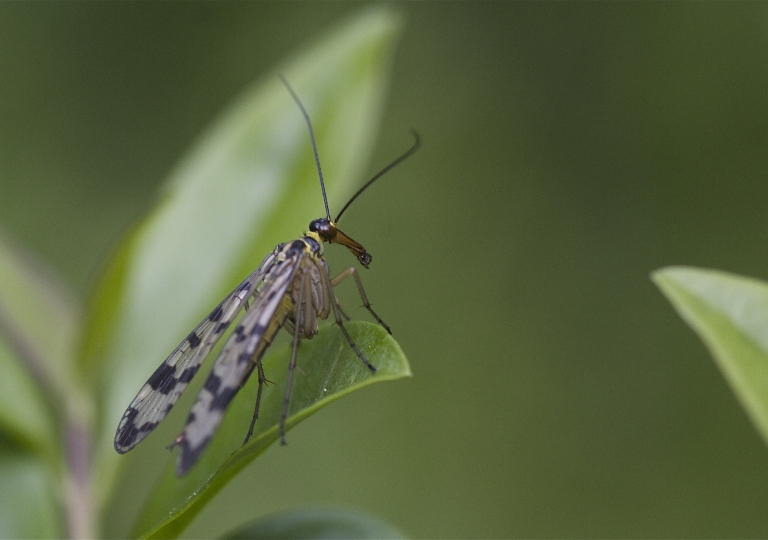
[[24, 416], [730, 315], [28, 506], [38, 319], [316, 524]]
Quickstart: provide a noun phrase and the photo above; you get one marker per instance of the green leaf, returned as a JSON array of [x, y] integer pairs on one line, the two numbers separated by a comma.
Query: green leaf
[[249, 183], [24, 416], [316, 524], [331, 369], [28, 506], [38, 319], [730, 315]]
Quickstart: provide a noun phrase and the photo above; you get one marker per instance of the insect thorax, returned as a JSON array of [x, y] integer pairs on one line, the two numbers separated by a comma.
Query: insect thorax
[[314, 243], [308, 296]]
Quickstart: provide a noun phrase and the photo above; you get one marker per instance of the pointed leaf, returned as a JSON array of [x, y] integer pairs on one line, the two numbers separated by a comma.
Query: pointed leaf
[[730, 315], [330, 369], [248, 183]]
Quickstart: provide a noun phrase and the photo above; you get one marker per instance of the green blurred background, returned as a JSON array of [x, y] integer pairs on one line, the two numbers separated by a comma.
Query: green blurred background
[[569, 149]]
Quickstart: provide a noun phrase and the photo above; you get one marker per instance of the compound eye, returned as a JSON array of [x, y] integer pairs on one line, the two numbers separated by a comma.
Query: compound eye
[[323, 227]]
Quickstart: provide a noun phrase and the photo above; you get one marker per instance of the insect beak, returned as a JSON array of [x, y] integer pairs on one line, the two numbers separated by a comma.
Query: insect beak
[[357, 250]]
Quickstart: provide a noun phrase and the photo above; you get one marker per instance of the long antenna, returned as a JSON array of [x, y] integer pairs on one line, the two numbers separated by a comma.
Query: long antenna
[[314, 146], [399, 160]]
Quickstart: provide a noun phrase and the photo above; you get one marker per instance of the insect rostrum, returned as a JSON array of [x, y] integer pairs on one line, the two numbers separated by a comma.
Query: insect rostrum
[[292, 288]]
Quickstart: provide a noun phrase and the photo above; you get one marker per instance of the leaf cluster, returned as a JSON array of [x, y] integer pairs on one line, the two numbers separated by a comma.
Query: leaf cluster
[[249, 181]]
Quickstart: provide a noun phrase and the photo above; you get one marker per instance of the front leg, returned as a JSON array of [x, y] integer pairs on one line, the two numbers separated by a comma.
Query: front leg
[[352, 271], [337, 315]]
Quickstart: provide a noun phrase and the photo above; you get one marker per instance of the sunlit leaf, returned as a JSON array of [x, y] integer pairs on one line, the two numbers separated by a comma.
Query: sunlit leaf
[[330, 369], [730, 315], [248, 183]]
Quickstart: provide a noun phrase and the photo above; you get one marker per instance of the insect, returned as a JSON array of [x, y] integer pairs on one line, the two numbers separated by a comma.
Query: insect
[[291, 289]]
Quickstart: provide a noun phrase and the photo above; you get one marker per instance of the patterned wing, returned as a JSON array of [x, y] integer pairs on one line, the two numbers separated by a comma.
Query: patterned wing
[[170, 379], [236, 362]]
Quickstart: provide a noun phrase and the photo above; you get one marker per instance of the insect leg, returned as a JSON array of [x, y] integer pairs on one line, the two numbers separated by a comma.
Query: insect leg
[[262, 380], [343, 314], [298, 317], [344, 275], [340, 322]]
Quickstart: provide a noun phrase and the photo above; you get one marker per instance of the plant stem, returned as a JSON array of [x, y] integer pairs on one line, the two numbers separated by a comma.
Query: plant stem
[[78, 495], [76, 430]]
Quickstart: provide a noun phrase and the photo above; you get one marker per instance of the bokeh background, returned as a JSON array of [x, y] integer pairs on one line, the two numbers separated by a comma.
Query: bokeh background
[[569, 150]]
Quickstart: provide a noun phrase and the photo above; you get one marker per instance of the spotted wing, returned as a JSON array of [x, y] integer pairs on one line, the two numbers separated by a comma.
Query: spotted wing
[[236, 362], [170, 379]]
